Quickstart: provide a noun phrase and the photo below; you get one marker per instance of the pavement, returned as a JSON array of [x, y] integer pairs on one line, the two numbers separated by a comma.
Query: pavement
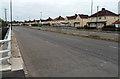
[[16, 66], [49, 54]]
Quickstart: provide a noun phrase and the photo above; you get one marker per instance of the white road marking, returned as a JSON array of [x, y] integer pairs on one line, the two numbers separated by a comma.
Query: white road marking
[[86, 49], [113, 47], [115, 34]]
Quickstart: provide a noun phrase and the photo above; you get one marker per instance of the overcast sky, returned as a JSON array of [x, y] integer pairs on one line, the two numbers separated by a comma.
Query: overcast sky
[[31, 9]]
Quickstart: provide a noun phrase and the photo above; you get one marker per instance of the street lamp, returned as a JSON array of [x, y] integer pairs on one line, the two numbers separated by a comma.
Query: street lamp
[[41, 15], [11, 12]]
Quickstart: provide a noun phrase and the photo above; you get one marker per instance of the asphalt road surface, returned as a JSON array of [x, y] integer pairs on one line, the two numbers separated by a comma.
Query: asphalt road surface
[[48, 54], [89, 32]]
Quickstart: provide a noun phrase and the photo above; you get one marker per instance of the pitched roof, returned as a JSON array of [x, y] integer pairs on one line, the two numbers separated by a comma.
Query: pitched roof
[[83, 16], [59, 18], [104, 12], [49, 19], [72, 17], [116, 22]]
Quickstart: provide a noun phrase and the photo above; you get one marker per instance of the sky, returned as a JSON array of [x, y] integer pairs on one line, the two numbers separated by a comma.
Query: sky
[[33, 9]]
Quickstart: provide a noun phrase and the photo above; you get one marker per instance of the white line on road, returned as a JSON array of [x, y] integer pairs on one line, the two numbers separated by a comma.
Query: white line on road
[[113, 47]]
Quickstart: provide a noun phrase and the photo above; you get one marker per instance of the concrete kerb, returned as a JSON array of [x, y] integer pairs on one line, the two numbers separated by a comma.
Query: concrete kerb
[[17, 60]]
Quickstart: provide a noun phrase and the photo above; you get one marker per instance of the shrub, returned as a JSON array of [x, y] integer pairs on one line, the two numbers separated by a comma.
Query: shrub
[[109, 28]]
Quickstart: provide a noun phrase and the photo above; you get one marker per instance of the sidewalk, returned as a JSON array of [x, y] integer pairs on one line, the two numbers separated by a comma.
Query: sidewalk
[[17, 62], [17, 65]]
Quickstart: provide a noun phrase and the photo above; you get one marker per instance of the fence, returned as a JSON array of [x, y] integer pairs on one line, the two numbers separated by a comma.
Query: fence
[[5, 52]]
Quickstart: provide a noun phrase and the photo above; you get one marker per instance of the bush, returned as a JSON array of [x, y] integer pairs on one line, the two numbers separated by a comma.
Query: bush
[[37, 25], [34, 24], [24, 24], [109, 28], [47, 24], [80, 27]]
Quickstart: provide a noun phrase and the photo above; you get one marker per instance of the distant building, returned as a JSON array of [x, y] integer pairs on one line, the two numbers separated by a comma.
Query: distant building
[[48, 21], [78, 20], [71, 20], [59, 21], [102, 18], [116, 23]]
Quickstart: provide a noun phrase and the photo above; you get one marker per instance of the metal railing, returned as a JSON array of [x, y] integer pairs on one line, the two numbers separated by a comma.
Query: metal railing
[[5, 52]]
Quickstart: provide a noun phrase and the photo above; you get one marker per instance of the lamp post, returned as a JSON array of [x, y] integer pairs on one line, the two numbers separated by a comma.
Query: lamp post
[[91, 7], [97, 17], [41, 18], [41, 15], [11, 12], [5, 14]]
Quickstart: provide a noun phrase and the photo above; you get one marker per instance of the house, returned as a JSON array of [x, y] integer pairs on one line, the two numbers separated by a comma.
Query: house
[[83, 19], [30, 22], [59, 21], [48, 21], [71, 20], [78, 20], [116, 23], [102, 18]]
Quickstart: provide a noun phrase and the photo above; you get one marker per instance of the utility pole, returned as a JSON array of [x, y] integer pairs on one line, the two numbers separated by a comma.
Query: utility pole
[[41, 15], [91, 7], [17, 18], [41, 18], [11, 12], [29, 22], [119, 9], [97, 17], [5, 14]]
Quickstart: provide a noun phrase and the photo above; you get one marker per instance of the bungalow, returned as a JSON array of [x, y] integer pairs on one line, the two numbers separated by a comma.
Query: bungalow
[[59, 21], [78, 20], [102, 18]]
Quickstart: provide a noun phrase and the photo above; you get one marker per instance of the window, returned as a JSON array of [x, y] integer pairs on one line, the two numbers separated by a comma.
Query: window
[[99, 18], [104, 17]]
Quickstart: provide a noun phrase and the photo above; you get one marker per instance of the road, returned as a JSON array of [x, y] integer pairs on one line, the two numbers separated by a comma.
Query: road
[[89, 32], [48, 54]]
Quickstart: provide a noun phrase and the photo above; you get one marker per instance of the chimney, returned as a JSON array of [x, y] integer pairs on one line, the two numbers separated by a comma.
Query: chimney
[[75, 14], [103, 9]]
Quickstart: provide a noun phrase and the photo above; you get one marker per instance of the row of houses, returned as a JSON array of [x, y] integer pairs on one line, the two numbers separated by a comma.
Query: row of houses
[[99, 19]]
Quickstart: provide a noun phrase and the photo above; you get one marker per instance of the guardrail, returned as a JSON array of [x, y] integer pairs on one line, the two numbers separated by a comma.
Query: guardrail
[[5, 52]]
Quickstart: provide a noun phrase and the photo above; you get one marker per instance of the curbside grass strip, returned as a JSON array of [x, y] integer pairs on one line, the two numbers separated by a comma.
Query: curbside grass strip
[[76, 34]]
